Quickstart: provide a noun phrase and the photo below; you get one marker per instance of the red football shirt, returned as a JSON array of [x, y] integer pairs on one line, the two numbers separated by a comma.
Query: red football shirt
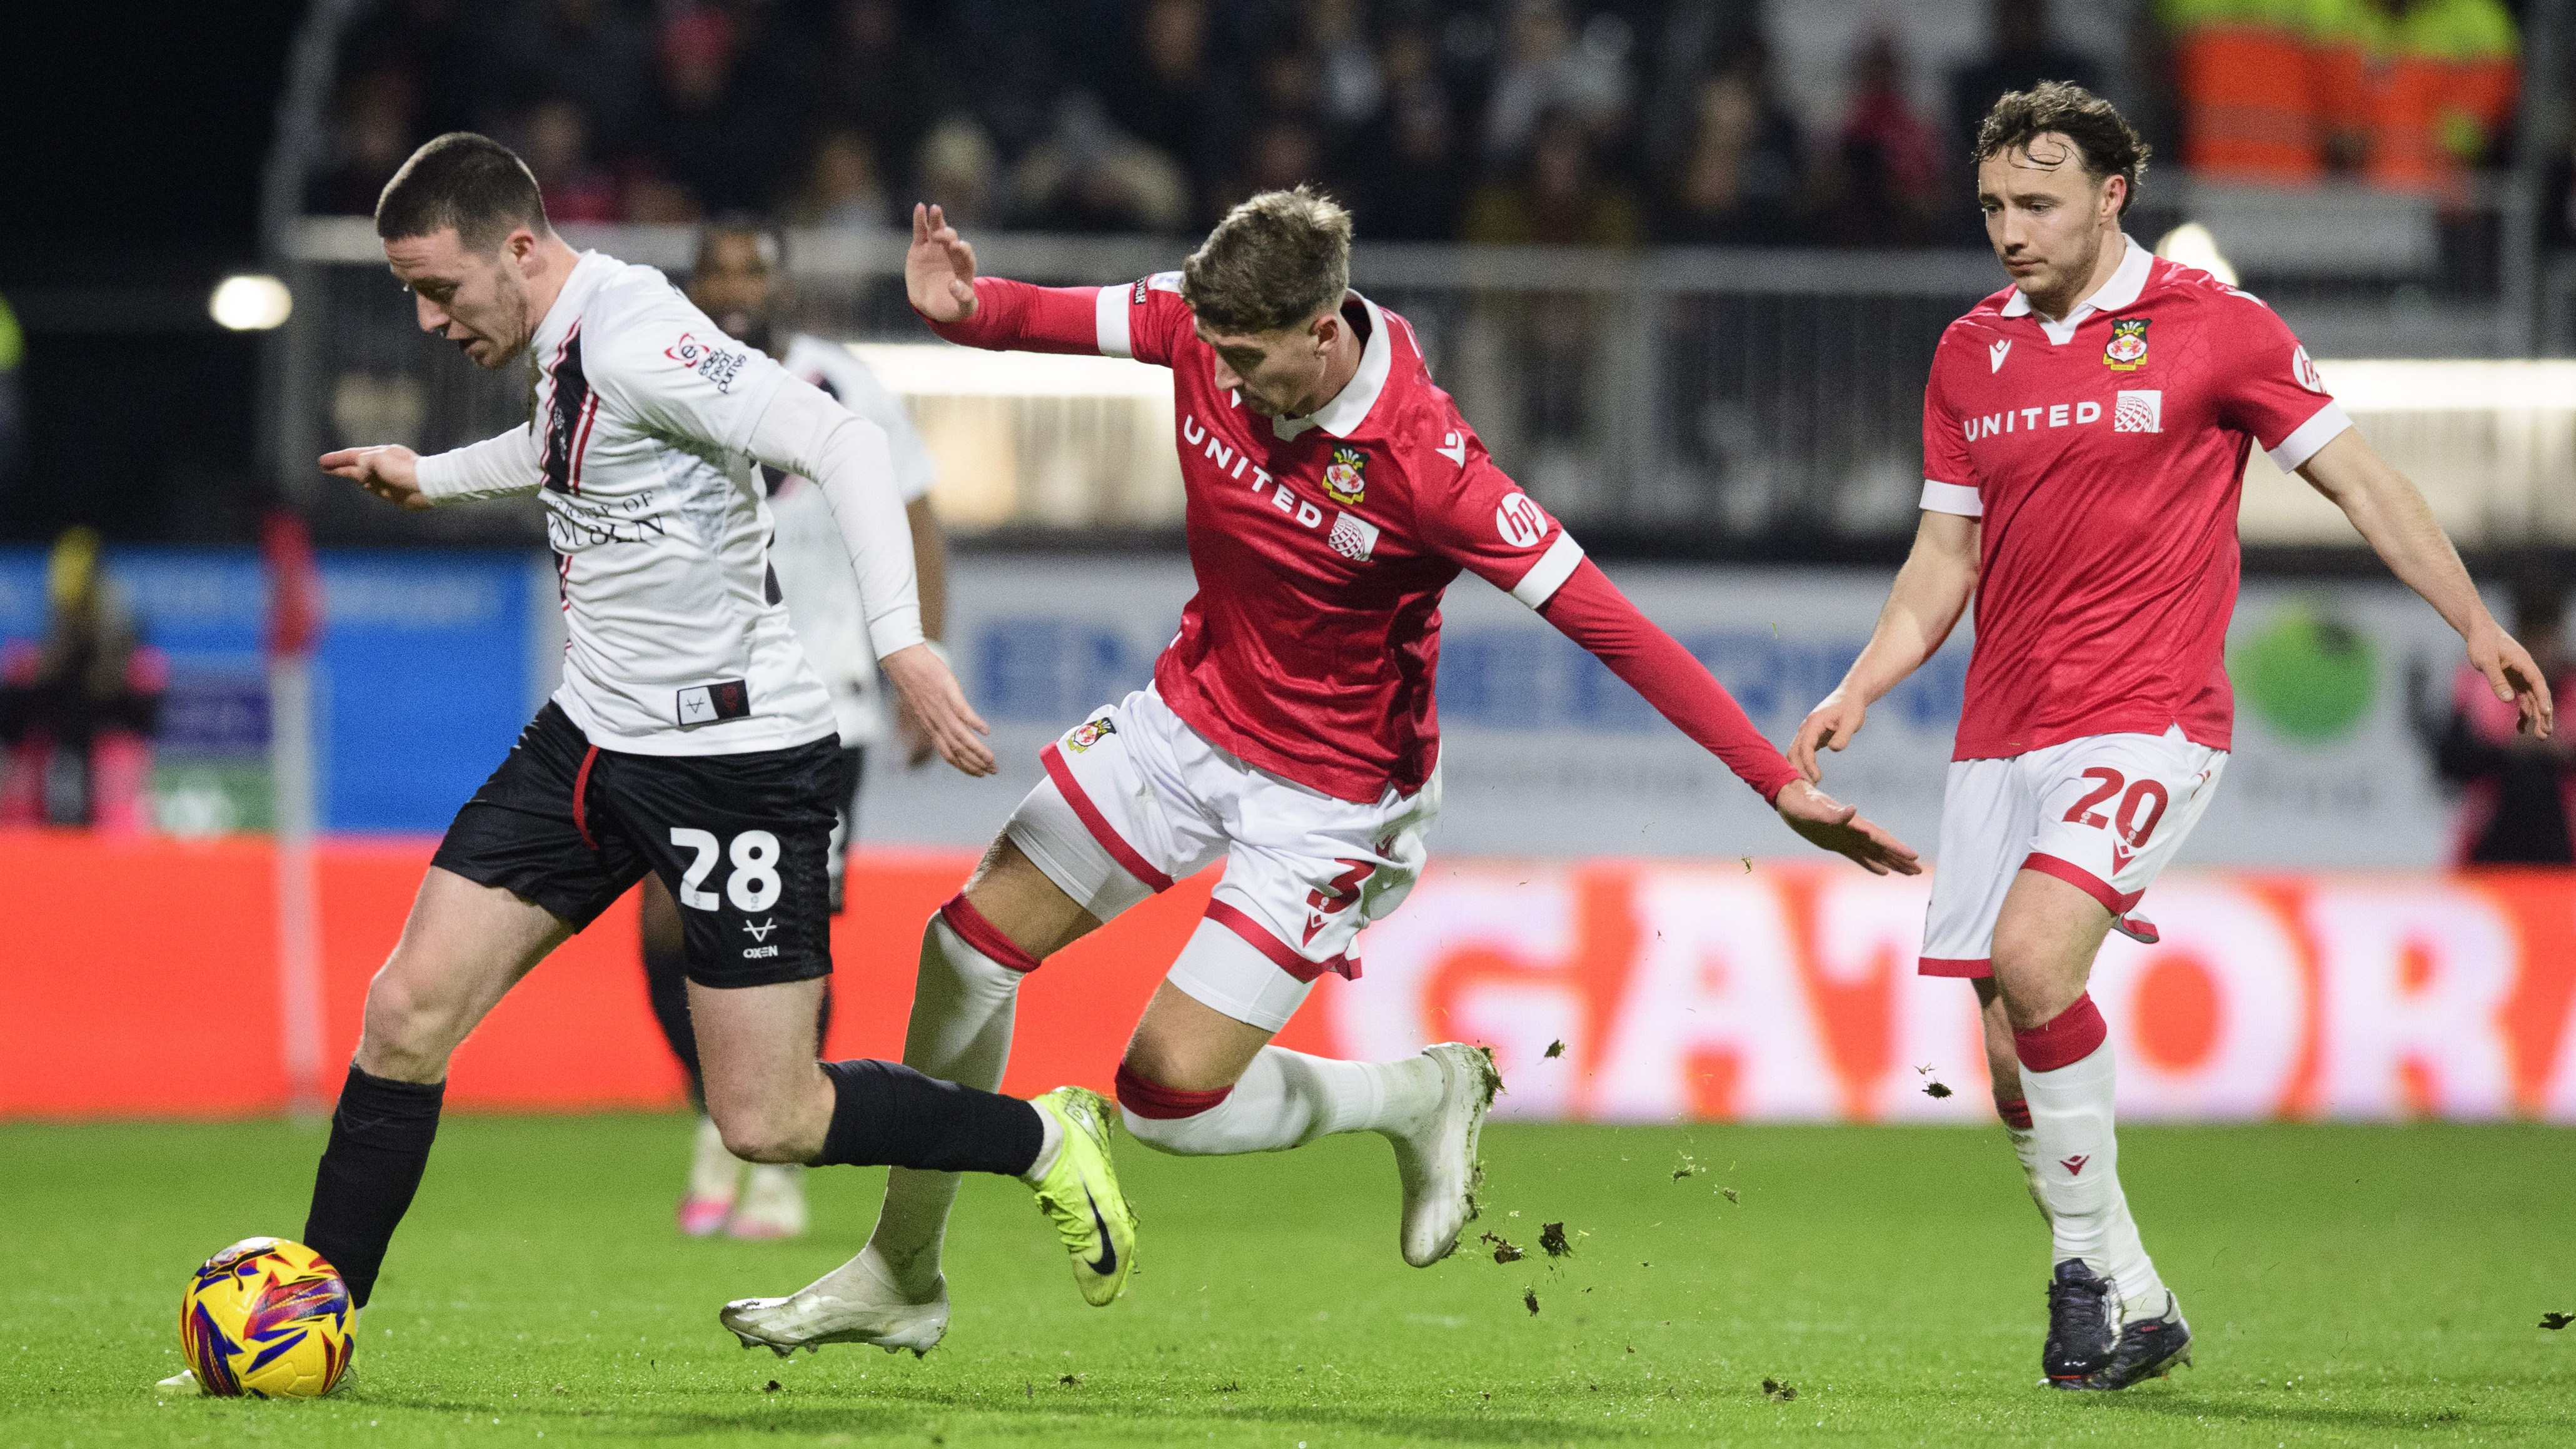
[[2105, 455], [1321, 546]]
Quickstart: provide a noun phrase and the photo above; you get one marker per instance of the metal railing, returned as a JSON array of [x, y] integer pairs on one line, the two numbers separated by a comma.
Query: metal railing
[[1709, 402]]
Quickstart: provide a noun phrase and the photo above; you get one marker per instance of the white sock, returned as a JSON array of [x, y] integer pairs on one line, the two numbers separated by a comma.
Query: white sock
[[2078, 1152], [1287, 1099], [962, 1006], [2025, 1146], [1050, 1144]]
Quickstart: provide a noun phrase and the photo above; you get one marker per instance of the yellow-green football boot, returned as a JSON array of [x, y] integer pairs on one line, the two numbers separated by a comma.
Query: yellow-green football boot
[[1080, 1195]]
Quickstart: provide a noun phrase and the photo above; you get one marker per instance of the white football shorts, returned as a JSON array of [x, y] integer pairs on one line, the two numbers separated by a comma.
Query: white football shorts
[[2104, 813], [1135, 799]]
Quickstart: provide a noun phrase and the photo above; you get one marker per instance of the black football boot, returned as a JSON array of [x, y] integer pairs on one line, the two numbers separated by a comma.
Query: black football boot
[[2080, 1341], [2148, 1348]]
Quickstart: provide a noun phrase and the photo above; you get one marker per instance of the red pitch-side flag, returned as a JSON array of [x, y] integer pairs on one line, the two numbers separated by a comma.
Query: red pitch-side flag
[[294, 586]]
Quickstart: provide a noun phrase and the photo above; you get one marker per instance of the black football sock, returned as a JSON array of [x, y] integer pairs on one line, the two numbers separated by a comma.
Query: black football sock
[[885, 1113], [380, 1137], [666, 985]]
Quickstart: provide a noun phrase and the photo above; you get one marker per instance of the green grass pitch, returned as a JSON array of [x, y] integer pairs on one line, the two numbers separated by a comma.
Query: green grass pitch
[[2349, 1285]]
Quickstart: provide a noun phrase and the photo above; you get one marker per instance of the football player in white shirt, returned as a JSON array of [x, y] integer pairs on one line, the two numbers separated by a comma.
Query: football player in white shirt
[[691, 739], [739, 281]]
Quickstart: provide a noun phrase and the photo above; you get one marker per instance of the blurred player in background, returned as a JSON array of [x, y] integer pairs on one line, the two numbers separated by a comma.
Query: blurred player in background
[[2517, 793], [2084, 439], [1334, 493], [78, 710], [739, 280], [690, 738]]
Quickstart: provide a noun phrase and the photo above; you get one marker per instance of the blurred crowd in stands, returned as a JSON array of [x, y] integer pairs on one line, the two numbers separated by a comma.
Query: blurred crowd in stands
[[1541, 121]]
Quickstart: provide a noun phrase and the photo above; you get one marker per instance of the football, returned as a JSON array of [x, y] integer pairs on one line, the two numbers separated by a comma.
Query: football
[[266, 1319]]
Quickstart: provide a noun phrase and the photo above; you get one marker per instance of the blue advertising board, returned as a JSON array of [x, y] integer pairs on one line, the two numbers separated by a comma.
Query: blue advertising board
[[421, 677]]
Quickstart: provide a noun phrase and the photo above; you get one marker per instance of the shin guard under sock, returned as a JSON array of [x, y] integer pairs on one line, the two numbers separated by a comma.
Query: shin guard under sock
[[2015, 1113], [884, 1114], [380, 1138]]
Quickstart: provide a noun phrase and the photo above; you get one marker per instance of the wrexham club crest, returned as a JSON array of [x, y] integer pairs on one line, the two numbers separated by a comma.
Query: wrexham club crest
[[1346, 477], [2127, 350]]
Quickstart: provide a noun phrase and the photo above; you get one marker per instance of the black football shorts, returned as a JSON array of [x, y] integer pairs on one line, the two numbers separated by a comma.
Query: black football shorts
[[740, 840]]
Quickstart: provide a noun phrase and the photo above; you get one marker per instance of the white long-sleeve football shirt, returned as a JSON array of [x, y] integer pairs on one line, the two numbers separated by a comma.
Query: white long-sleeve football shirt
[[647, 420]]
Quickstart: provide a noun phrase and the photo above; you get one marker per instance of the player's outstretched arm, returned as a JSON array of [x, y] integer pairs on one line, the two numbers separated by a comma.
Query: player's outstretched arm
[[1588, 609], [2388, 511], [938, 268], [1923, 606], [392, 472], [497, 467]]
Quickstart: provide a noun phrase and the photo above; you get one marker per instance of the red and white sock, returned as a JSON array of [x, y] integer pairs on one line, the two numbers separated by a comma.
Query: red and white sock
[[1284, 1099], [2068, 1081], [964, 999]]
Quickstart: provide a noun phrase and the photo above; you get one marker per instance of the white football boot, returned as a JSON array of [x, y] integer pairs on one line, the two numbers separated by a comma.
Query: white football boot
[[854, 1303], [1437, 1160]]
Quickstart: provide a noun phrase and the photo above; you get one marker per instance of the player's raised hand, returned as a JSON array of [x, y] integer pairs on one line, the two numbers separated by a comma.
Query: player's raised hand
[[1823, 820], [923, 681], [939, 268], [392, 473], [1830, 725], [2515, 676]]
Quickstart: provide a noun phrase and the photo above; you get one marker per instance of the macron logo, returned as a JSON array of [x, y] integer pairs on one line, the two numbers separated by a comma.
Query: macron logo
[[1995, 355], [1453, 446], [2140, 411]]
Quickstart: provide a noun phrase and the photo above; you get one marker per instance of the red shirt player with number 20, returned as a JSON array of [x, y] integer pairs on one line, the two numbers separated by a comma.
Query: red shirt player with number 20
[[1333, 493], [2084, 440]]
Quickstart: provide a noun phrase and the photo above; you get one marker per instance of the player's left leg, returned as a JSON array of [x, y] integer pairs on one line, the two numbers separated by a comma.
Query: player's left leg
[[772, 1204], [741, 840], [1303, 875], [1199, 1081], [2113, 810], [723, 1193]]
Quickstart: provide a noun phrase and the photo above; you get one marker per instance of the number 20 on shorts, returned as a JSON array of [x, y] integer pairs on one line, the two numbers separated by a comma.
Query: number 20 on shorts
[[2134, 818]]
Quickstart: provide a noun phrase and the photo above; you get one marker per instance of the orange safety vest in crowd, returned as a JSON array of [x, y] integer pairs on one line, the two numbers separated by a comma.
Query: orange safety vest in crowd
[[2241, 74], [2428, 84]]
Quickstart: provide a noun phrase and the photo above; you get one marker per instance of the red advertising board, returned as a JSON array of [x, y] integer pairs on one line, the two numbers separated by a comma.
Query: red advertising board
[[139, 978]]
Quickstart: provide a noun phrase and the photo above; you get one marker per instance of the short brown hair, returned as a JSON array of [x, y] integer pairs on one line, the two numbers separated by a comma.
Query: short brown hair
[[2108, 143], [1274, 262], [462, 180]]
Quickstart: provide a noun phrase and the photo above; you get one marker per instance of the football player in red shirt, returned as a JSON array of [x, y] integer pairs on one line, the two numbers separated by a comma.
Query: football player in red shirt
[[1333, 494], [2084, 437]]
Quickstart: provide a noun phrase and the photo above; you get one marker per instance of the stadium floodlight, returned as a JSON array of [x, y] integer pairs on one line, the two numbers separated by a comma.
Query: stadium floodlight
[[2193, 246], [250, 304]]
